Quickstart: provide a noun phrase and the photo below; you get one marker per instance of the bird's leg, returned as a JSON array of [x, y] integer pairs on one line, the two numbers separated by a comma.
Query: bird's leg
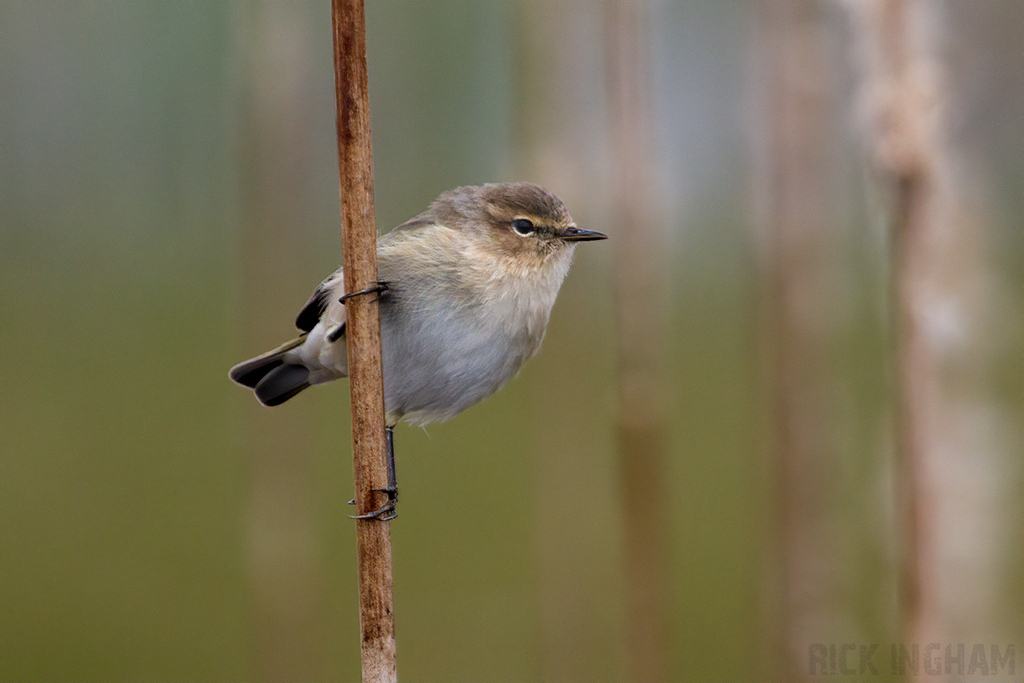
[[335, 334], [380, 288], [387, 511]]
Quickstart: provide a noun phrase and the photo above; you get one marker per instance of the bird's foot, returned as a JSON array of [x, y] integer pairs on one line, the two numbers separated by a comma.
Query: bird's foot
[[380, 288], [385, 512]]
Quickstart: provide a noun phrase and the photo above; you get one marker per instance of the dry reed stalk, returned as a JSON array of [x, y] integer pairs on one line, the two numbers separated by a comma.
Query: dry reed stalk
[[640, 275], [796, 217], [903, 100], [359, 234]]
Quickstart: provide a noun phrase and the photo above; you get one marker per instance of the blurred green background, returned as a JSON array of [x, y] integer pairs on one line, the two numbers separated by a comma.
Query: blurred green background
[[169, 200]]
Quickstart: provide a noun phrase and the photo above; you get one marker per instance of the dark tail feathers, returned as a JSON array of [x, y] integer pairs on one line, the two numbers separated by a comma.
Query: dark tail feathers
[[274, 380]]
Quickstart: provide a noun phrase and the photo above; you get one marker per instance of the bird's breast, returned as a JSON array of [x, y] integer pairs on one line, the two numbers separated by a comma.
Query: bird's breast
[[442, 356]]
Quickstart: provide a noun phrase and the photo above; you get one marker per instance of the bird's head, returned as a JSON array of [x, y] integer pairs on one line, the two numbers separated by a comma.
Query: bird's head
[[517, 221]]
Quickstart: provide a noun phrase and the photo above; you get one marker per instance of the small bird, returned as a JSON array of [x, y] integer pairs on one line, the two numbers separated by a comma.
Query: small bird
[[466, 290]]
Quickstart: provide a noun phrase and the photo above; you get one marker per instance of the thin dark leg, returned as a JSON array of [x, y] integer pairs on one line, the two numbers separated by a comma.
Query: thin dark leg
[[387, 511], [380, 288], [392, 489]]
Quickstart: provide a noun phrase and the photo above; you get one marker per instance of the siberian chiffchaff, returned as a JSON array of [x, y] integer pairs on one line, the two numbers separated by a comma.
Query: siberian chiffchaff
[[466, 291]]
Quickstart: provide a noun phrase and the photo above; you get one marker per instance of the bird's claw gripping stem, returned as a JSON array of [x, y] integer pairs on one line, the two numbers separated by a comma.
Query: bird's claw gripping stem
[[380, 288], [387, 511]]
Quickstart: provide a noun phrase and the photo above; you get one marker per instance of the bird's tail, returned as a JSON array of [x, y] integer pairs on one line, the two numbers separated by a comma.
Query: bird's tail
[[272, 376]]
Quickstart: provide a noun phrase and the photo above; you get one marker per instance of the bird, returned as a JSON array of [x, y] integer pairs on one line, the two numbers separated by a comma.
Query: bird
[[465, 293]]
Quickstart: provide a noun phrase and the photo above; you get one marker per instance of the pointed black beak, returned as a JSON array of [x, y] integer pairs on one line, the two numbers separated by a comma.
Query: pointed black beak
[[574, 234]]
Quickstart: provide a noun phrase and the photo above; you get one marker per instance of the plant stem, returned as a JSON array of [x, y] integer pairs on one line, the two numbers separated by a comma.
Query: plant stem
[[359, 235]]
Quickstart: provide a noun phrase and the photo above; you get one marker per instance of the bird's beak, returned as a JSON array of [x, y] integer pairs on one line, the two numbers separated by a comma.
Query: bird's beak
[[573, 234]]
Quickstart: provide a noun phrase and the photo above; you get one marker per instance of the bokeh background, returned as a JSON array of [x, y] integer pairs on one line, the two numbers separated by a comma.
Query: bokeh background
[[168, 201]]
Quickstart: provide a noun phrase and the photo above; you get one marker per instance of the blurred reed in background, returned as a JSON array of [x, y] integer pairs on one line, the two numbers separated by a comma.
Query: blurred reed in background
[[168, 201]]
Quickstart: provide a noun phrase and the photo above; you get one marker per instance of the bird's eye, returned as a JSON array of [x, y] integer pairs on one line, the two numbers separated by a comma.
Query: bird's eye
[[524, 226]]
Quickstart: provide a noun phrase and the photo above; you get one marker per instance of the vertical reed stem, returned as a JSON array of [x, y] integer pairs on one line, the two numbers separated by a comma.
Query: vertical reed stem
[[359, 235], [797, 219], [905, 96], [639, 281], [903, 101]]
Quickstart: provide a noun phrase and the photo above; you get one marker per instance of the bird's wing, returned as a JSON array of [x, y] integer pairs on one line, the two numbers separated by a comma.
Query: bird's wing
[[314, 309], [421, 221]]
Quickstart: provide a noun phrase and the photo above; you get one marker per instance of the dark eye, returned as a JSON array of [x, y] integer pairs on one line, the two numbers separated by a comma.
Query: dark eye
[[524, 226]]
